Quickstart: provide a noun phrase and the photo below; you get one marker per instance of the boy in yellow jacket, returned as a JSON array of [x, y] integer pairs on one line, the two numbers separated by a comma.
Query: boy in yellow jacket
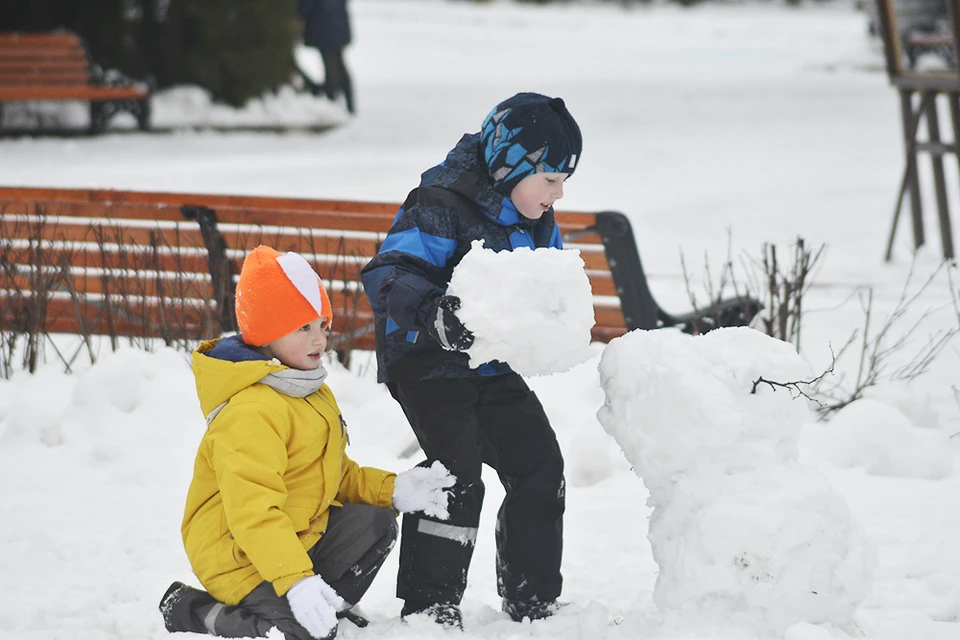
[[281, 527]]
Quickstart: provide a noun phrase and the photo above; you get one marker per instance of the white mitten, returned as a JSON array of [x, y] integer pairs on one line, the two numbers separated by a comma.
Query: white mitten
[[315, 604], [424, 489]]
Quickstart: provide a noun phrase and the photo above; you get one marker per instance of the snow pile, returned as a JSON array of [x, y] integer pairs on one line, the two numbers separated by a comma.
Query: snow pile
[[874, 435], [46, 115], [29, 411], [531, 308], [104, 412], [189, 106], [741, 531], [192, 106]]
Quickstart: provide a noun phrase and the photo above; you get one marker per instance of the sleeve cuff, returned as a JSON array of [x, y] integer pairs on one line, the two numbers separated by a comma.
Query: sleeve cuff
[[385, 499], [282, 585]]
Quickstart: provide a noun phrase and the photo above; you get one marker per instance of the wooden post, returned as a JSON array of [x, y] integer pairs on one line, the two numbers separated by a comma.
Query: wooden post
[[910, 170], [911, 120], [939, 180]]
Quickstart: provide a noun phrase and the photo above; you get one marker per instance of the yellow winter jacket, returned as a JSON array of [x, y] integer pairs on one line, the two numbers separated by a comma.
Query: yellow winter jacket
[[267, 471]]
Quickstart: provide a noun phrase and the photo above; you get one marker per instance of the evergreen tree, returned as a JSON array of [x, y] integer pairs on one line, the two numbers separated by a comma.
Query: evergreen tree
[[235, 48]]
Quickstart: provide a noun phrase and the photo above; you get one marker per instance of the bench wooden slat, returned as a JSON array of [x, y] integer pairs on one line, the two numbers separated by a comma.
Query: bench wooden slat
[[130, 284], [67, 78], [41, 65], [162, 212], [35, 55], [606, 334], [39, 39], [94, 259], [73, 92]]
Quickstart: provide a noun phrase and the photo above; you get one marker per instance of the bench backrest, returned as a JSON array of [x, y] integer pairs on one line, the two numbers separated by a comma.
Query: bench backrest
[[164, 265], [43, 59]]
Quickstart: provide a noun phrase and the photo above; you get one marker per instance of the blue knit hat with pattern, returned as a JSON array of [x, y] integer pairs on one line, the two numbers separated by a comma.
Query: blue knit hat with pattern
[[527, 134]]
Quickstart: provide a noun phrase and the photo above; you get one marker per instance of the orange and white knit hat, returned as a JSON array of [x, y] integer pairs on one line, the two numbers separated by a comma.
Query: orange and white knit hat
[[277, 294]]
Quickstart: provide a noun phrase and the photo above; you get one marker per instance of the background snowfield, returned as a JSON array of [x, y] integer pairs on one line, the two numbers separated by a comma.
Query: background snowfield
[[714, 129]]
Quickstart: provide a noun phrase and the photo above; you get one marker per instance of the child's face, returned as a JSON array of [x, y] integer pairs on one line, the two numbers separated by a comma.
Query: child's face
[[536, 193], [302, 348]]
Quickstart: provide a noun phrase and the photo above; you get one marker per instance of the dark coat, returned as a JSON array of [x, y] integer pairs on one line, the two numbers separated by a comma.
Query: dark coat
[[454, 205], [326, 24]]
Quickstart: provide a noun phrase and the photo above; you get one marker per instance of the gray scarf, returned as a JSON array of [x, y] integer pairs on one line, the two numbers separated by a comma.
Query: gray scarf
[[296, 383], [291, 382]]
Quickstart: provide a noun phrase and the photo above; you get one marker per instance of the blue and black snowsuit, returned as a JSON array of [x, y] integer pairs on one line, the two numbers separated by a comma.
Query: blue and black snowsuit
[[464, 417], [454, 205]]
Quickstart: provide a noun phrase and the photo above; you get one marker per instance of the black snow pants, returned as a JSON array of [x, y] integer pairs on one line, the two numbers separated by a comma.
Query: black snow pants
[[464, 422], [348, 557]]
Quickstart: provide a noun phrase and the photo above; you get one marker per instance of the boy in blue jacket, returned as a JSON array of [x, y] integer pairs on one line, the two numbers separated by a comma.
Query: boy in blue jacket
[[497, 185]]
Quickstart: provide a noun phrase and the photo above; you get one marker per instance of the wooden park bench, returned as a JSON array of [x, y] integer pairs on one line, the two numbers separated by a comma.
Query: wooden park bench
[[163, 265], [57, 66], [939, 43]]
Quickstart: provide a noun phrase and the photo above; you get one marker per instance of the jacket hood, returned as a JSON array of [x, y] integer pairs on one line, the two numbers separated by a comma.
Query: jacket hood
[[464, 172], [224, 367]]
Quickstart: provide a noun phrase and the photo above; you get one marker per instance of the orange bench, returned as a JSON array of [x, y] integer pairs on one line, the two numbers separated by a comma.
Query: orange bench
[[56, 66], [164, 265]]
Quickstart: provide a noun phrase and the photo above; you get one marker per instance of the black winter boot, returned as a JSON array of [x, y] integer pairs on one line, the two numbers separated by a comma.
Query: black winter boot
[[184, 608], [532, 609], [445, 614]]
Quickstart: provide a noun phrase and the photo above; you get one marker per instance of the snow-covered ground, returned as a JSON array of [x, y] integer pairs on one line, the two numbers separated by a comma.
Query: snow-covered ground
[[715, 126]]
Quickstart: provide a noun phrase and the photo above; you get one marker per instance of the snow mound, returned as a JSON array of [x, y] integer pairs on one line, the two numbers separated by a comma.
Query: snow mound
[[878, 437]]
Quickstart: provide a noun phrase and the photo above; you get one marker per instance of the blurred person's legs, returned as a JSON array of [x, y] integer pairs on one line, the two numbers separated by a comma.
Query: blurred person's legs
[[336, 78]]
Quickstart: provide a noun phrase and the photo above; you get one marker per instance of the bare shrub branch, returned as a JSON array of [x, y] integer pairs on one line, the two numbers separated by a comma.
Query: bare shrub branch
[[784, 285], [877, 348], [715, 292], [794, 386]]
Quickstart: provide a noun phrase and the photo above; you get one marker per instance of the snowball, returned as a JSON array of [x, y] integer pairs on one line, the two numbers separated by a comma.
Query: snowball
[[532, 309]]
